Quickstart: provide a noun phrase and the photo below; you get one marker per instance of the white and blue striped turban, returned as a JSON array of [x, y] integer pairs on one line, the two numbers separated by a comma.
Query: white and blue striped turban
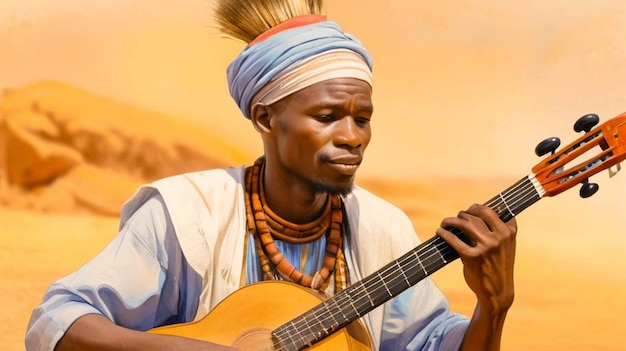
[[292, 59]]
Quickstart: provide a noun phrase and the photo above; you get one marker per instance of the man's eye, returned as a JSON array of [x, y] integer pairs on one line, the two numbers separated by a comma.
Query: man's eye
[[362, 121], [325, 118]]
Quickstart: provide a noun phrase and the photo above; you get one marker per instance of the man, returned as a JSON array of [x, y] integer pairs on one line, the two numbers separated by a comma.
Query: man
[[187, 242]]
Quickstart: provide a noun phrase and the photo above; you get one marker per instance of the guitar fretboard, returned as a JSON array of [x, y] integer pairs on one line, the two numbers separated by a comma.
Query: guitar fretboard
[[395, 277]]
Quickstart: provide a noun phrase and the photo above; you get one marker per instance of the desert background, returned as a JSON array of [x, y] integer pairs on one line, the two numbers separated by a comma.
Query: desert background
[[99, 97]]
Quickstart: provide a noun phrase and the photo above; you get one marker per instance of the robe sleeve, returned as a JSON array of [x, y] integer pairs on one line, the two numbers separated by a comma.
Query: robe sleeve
[[420, 319], [162, 290]]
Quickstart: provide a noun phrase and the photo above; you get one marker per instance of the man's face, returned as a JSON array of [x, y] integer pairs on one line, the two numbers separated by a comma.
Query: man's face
[[321, 132]]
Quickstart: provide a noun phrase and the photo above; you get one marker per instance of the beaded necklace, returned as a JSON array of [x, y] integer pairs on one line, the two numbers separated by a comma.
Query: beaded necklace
[[265, 225]]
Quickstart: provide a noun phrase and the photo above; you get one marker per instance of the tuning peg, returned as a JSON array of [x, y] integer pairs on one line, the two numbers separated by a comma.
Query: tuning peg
[[548, 145], [586, 122], [587, 189]]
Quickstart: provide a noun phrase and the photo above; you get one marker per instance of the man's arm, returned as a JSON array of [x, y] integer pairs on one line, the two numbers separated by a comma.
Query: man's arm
[[140, 280], [488, 270], [95, 332]]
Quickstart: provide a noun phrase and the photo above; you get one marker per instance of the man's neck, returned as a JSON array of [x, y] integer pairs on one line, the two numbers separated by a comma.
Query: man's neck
[[295, 203]]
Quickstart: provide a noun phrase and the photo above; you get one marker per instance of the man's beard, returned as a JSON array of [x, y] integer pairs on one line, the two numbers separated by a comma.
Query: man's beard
[[322, 188], [325, 188]]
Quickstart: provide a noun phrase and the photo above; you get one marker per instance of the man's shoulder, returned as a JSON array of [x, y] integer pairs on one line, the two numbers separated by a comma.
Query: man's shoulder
[[188, 190], [203, 188], [377, 223], [365, 200], [206, 178], [363, 194]]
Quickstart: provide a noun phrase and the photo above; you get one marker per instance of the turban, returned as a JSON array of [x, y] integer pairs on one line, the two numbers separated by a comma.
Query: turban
[[281, 62]]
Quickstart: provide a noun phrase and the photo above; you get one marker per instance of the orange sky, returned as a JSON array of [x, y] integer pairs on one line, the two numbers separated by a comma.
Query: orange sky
[[461, 87]]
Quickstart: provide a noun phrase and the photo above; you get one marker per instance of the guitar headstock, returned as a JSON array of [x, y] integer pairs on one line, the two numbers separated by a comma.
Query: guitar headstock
[[601, 148]]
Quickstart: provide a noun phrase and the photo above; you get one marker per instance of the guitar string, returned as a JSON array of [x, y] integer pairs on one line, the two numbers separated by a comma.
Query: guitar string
[[523, 190], [438, 251], [343, 299], [386, 292]]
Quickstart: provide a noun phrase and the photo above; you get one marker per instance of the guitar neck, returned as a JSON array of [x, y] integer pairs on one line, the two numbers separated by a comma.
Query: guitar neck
[[395, 277]]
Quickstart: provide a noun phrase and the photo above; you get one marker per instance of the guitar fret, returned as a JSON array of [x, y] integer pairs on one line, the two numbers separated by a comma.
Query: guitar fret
[[301, 335], [420, 263], [404, 275], [371, 286], [295, 334], [330, 313], [346, 305], [443, 259], [336, 303], [317, 318], [356, 310], [384, 284], [369, 298], [506, 205], [433, 261], [516, 198]]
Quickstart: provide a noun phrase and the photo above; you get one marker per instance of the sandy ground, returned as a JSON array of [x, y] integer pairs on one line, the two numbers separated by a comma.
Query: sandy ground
[[569, 292]]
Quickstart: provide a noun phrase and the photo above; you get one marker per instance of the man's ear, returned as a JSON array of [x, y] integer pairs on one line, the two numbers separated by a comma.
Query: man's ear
[[261, 116]]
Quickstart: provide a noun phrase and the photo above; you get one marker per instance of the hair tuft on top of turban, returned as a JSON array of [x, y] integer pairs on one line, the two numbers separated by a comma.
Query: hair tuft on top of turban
[[247, 19]]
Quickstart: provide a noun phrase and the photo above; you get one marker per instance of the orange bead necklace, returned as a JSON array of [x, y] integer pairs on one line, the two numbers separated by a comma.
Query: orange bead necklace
[[265, 225]]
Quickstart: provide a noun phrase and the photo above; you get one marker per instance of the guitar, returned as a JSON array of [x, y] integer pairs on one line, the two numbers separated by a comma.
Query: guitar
[[303, 318]]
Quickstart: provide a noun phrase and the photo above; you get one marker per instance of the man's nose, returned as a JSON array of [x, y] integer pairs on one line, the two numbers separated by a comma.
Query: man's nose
[[348, 133]]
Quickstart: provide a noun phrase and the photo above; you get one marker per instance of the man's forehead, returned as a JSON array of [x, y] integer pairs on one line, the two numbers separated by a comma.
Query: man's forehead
[[346, 93], [338, 88]]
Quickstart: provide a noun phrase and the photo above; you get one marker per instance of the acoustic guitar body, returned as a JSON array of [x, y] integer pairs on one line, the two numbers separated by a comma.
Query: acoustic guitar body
[[246, 318]]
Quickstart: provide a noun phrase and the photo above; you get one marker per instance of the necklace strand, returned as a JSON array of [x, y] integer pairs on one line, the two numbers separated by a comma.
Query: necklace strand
[[265, 225]]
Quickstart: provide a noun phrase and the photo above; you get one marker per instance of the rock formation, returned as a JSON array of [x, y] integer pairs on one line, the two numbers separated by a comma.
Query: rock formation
[[65, 149]]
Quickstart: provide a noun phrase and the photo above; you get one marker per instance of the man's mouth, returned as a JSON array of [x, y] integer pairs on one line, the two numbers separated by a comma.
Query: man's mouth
[[346, 165]]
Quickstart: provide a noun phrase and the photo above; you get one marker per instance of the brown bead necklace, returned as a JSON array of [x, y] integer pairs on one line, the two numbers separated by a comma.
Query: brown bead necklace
[[265, 225]]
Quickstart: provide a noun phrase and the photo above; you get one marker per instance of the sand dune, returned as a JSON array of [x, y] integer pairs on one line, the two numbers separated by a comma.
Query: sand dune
[[67, 149]]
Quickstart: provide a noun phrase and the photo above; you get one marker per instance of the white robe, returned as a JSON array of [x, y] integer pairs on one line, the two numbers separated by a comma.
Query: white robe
[[209, 215], [181, 250]]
